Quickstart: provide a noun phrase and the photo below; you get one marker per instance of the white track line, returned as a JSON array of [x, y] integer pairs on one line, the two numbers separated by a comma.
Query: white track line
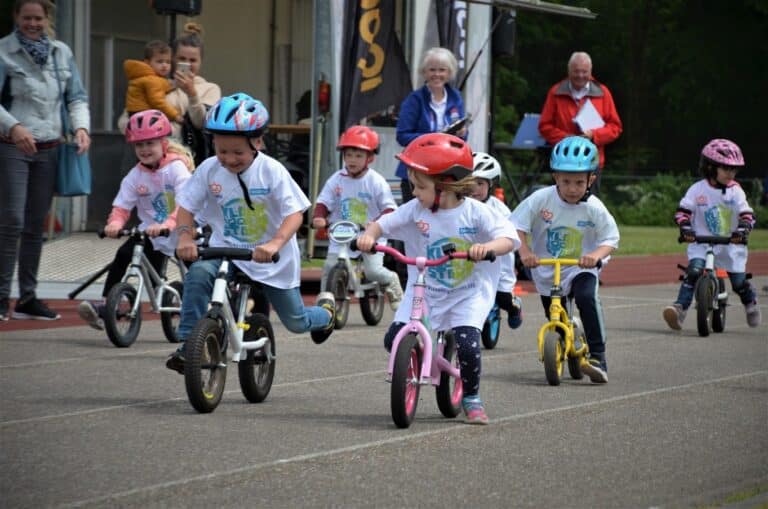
[[414, 436]]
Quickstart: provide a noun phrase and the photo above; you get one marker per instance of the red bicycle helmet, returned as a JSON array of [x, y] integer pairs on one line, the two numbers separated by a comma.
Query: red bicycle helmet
[[359, 136], [147, 125], [438, 154]]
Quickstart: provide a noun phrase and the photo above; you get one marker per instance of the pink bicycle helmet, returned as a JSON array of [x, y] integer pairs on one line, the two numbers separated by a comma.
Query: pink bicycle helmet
[[147, 125], [720, 152]]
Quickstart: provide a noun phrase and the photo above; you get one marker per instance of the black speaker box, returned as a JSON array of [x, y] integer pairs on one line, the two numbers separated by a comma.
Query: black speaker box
[[503, 43], [186, 7]]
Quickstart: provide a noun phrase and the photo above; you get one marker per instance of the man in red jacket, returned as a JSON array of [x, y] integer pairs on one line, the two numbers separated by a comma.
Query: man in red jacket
[[567, 98]]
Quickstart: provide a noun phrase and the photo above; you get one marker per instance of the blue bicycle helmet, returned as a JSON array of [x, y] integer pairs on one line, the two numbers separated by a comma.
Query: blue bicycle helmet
[[574, 154], [238, 114]]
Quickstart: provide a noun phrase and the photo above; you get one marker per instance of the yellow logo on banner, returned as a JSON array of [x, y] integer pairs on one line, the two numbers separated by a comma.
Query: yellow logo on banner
[[369, 26]]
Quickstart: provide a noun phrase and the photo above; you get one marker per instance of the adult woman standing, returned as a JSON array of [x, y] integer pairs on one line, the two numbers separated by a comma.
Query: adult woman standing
[[30, 131], [193, 95], [430, 108]]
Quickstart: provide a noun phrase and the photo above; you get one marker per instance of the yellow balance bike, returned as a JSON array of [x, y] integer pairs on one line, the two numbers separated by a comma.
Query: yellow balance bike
[[562, 338]]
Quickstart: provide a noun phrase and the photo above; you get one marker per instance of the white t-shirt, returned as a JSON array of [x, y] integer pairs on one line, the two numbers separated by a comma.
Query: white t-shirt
[[359, 200], [216, 192], [715, 213], [153, 194], [507, 278], [559, 229], [459, 292]]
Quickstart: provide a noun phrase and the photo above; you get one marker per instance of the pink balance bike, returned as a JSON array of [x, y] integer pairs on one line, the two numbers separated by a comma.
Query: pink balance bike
[[417, 357]]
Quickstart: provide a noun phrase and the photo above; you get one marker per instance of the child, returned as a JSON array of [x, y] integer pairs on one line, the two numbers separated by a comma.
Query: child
[[359, 194], [716, 205], [565, 221], [440, 169], [486, 173], [148, 81], [150, 186], [249, 201]]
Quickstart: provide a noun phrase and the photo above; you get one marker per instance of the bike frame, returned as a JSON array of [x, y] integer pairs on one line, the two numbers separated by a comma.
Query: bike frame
[[343, 233], [558, 314], [709, 264], [234, 327], [141, 270], [433, 363]]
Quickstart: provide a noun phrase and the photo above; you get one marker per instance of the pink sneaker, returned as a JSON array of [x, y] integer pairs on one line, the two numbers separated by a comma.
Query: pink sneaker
[[474, 411]]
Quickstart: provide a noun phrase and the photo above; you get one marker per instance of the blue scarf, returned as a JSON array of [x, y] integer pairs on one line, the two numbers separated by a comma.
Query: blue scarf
[[38, 50]]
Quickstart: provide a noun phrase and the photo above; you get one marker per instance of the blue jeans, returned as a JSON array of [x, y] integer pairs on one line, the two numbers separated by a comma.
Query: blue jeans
[[26, 190], [739, 284], [288, 304]]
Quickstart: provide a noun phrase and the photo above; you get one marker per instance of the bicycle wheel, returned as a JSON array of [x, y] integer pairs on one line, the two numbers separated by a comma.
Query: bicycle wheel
[[553, 357], [170, 319], [257, 370], [491, 329], [718, 315], [122, 328], [405, 381], [337, 285], [205, 366], [705, 290], [372, 306], [574, 361], [451, 389]]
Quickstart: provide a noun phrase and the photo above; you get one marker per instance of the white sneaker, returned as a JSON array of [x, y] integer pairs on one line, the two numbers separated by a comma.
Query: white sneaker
[[753, 314], [90, 314], [394, 292], [674, 315]]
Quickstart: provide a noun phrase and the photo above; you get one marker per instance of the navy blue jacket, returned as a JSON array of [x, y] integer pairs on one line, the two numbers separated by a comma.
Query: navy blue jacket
[[417, 117]]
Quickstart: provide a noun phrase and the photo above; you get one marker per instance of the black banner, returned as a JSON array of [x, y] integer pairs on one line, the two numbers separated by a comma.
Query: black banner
[[375, 76], [452, 31]]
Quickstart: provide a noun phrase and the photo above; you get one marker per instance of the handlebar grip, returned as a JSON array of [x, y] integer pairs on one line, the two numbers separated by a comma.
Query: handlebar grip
[[275, 257], [599, 264], [353, 247], [490, 256]]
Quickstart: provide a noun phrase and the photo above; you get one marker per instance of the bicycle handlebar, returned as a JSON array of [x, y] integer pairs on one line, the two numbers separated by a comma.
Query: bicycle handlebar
[[400, 257], [232, 253], [126, 232], [711, 239], [566, 261]]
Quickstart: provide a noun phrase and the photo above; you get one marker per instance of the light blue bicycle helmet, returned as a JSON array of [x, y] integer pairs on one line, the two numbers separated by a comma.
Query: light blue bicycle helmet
[[574, 154], [238, 114]]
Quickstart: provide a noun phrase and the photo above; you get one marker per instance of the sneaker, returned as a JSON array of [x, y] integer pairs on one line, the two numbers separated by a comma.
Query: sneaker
[[4, 315], [176, 360], [753, 314], [394, 292], [91, 314], [326, 301], [515, 318], [674, 315], [33, 309], [474, 411], [596, 370]]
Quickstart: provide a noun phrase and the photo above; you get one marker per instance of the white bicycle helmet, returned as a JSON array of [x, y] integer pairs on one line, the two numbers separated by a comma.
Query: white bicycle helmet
[[485, 166]]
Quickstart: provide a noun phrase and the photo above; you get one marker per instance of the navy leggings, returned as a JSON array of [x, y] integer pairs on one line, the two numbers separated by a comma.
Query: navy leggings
[[468, 349]]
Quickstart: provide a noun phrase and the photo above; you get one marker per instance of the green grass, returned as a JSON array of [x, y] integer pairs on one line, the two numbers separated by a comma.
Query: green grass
[[646, 240]]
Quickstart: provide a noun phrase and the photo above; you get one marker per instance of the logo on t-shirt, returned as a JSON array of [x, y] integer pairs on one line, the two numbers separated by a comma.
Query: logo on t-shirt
[[215, 188], [423, 227], [162, 204], [546, 215], [355, 210], [453, 273], [718, 219], [243, 224], [564, 242]]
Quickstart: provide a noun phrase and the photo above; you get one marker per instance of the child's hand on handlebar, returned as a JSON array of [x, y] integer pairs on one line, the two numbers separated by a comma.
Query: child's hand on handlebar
[[588, 261], [477, 252], [186, 249], [264, 252], [112, 230], [365, 243], [319, 223], [155, 230]]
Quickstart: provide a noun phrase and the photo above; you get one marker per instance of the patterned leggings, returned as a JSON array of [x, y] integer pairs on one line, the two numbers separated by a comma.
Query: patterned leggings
[[468, 350]]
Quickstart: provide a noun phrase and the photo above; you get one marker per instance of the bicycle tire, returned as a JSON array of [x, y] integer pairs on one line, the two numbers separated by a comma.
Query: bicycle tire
[[705, 293], [718, 316], [574, 362], [372, 306], [451, 389], [404, 397], [338, 279], [257, 371], [122, 329], [553, 357], [168, 319], [491, 329], [205, 368]]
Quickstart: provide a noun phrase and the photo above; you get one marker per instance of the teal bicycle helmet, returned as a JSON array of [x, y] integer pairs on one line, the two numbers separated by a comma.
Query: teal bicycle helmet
[[574, 154], [238, 114]]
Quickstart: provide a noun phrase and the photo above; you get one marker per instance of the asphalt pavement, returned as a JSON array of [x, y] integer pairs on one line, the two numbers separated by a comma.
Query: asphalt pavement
[[682, 422]]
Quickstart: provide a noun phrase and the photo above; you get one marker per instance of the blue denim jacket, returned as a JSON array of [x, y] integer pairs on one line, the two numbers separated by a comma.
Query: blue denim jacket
[[417, 117], [34, 93]]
